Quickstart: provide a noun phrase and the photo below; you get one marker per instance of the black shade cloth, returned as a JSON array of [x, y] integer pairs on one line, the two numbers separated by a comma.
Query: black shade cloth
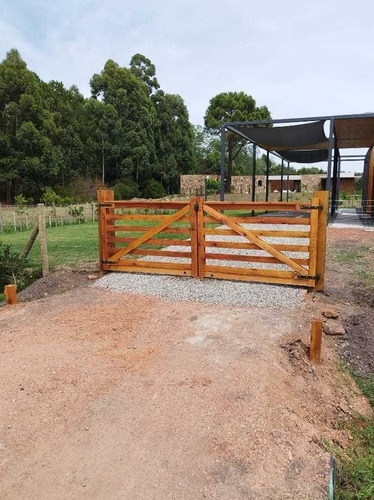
[[305, 156], [290, 137]]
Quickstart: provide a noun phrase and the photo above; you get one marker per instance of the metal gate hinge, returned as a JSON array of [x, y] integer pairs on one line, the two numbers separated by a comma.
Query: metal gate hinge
[[309, 276], [105, 261], [311, 207]]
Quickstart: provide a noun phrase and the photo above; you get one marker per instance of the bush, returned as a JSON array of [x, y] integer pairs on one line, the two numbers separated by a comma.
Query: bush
[[212, 186], [153, 189], [126, 189], [12, 268], [50, 197]]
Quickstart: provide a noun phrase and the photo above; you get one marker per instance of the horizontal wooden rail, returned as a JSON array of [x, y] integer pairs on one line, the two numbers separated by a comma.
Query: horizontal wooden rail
[[252, 246], [153, 241], [141, 229], [256, 205], [250, 258], [264, 220], [259, 232], [150, 205]]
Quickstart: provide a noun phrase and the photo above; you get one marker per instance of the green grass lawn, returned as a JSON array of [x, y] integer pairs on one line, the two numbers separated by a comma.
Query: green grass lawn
[[67, 245]]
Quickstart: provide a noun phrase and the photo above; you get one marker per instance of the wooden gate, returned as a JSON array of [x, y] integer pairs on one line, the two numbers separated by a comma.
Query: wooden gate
[[285, 243]]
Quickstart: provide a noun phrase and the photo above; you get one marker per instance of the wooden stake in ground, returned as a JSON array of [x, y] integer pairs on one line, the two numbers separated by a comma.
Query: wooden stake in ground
[[30, 243], [43, 239], [10, 293], [315, 341]]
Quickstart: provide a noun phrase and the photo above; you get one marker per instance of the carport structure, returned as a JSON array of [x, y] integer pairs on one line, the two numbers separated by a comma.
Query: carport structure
[[303, 140]]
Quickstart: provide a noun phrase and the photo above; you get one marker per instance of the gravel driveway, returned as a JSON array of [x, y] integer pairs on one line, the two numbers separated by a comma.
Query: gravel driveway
[[214, 291]]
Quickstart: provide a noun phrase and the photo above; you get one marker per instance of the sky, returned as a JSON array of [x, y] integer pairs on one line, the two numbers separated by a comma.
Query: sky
[[298, 58]]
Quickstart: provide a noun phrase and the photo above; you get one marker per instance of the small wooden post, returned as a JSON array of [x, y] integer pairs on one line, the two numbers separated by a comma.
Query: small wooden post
[[315, 341], [30, 243], [10, 293], [321, 238], [104, 196], [43, 239]]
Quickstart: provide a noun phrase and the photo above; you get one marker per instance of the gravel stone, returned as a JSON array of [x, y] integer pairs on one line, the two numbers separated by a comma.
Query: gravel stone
[[214, 291]]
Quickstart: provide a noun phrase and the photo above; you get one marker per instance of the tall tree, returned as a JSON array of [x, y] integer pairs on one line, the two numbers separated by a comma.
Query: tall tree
[[142, 68], [30, 155], [174, 139], [229, 107], [133, 151]]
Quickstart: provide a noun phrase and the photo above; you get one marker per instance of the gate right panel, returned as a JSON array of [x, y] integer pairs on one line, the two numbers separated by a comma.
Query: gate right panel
[[263, 242]]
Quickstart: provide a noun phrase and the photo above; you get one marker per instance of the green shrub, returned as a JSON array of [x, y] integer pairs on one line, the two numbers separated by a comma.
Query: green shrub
[[50, 198], [12, 268], [21, 201], [77, 213], [153, 189], [126, 189], [212, 186]]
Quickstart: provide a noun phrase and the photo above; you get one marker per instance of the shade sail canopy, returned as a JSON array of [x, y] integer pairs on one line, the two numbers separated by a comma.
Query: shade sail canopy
[[304, 136], [307, 142], [305, 156]]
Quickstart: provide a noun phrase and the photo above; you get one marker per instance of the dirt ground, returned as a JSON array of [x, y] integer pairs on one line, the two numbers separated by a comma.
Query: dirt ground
[[350, 287], [128, 397]]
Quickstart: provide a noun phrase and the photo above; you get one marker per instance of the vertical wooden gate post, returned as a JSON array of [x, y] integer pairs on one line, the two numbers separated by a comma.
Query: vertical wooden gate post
[[321, 238], [194, 207], [201, 237], [104, 196]]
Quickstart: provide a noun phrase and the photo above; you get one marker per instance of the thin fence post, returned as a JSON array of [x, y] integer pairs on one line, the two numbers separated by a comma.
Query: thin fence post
[[43, 239], [315, 341]]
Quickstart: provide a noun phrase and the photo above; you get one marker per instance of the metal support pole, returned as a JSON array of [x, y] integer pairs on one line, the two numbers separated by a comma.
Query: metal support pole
[[334, 182], [281, 198], [254, 173], [338, 185], [223, 148], [267, 176], [329, 162], [288, 179]]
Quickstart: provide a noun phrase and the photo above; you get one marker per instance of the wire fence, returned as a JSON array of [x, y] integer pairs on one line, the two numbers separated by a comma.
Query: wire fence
[[14, 218]]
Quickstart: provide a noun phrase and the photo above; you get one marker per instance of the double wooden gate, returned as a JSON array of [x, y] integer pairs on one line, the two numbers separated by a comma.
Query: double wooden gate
[[248, 241]]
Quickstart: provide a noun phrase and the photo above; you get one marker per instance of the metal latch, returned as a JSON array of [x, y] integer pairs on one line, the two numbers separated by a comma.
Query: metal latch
[[308, 276], [311, 207], [105, 261], [110, 205], [196, 207]]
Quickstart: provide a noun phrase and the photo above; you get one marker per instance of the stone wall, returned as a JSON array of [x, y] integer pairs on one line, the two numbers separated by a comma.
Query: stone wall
[[191, 185]]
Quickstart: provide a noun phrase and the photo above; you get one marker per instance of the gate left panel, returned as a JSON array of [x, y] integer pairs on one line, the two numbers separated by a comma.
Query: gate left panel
[[149, 237]]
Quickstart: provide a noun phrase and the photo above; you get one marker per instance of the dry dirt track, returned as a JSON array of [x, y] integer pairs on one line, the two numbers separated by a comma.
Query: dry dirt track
[[126, 397]]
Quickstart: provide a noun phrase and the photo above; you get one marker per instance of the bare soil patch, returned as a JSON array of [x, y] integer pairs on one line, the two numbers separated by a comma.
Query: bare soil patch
[[122, 396], [350, 287], [59, 281]]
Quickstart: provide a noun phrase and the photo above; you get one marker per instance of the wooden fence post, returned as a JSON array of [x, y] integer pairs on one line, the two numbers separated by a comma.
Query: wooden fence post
[[321, 238], [10, 293], [104, 196], [43, 239], [315, 341]]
